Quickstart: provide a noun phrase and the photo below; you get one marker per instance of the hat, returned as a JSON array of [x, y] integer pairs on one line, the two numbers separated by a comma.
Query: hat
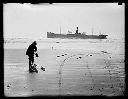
[[34, 43]]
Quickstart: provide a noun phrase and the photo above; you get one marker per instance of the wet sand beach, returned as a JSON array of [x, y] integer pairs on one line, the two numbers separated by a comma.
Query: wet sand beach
[[68, 72]]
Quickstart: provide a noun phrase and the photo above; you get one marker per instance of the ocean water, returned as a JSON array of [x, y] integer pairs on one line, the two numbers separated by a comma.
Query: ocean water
[[109, 45], [73, 67]]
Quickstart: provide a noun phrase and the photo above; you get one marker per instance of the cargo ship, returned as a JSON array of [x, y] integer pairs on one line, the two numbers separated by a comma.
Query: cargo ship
[[77, 35]]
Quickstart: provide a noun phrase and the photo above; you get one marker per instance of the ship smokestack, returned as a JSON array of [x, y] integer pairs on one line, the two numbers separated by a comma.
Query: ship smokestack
[[76, 30]]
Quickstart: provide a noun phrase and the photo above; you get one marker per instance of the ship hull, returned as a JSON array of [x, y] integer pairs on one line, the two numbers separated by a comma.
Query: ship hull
[[75, 36]]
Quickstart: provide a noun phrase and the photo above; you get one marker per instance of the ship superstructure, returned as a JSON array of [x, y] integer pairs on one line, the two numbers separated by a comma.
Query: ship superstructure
[[77, 35]]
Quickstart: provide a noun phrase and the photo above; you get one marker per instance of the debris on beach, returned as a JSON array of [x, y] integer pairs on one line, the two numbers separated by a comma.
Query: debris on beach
[[9, 85], [105, 52], [43, 68], [80, 57]]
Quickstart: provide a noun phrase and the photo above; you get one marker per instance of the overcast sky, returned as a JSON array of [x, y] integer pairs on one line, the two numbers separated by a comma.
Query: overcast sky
[[34, 21]]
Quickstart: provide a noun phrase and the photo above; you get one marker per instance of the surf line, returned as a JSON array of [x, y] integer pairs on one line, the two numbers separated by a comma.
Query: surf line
[[61, 66]]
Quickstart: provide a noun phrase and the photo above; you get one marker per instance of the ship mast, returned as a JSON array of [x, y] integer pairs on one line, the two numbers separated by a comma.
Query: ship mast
[[92, 31], [100, 32], [60, 29]]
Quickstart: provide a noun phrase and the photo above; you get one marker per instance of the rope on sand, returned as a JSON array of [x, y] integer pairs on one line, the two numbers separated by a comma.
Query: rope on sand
[[107, 67], [61, 66]]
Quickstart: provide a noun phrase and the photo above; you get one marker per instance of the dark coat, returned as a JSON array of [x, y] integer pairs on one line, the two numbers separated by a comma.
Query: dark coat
[[31, 49]]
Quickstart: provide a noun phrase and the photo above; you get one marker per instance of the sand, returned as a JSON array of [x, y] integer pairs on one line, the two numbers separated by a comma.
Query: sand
[[68, 72]]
